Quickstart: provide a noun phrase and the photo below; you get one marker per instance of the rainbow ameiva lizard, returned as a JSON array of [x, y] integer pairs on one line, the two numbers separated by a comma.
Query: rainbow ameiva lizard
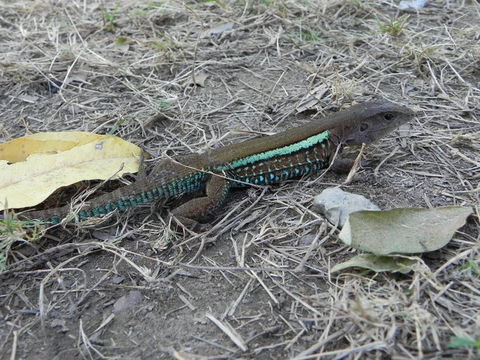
[[267, 160]]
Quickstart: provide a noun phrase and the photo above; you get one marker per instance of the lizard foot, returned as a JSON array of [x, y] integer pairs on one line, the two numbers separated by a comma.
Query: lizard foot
[[190, 225]]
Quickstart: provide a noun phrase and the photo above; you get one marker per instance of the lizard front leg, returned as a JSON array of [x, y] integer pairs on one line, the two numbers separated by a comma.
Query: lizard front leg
[[216, 189]]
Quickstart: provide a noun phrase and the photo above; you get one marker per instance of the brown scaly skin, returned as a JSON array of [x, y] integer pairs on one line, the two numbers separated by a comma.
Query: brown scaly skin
[[261, 161]]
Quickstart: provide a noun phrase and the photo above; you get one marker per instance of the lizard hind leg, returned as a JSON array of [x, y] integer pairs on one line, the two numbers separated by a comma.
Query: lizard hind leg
[[216, 189]]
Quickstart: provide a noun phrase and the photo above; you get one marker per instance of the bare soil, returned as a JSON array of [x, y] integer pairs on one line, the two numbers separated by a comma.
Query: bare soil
[[176, 77]]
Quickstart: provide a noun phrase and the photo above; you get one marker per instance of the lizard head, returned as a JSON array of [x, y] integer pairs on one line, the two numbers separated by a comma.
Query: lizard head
[[368, 122]]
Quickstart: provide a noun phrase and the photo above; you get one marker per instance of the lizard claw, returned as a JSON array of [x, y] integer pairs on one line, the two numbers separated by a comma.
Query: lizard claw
[[189, 224]]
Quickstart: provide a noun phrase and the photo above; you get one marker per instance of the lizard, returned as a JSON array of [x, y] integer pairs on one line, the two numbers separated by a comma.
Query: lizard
[[267, 160]]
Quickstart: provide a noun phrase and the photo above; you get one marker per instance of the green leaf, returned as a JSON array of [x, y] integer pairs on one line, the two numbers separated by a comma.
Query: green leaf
[[403, 231], [457, 342], [394, 27], [121, 40]]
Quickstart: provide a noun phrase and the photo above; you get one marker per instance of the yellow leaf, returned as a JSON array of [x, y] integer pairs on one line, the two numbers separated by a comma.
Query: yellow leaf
[[46, 142], [48, 161]]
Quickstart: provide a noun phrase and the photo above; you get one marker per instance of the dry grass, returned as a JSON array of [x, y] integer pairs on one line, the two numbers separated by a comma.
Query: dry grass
[[257, 284]]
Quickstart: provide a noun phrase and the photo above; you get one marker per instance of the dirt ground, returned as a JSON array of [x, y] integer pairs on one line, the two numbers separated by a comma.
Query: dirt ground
[[179, 77]]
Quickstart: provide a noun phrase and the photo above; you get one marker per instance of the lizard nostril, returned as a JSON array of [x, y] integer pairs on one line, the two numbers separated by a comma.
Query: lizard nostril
[[388, 116], [363, 127]]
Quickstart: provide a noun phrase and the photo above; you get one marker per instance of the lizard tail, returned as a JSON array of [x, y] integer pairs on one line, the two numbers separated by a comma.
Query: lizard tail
[[120, 199]]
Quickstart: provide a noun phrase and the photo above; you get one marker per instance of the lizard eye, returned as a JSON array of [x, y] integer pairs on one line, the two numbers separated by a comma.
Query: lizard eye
[[388, 116], [363, 127]]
